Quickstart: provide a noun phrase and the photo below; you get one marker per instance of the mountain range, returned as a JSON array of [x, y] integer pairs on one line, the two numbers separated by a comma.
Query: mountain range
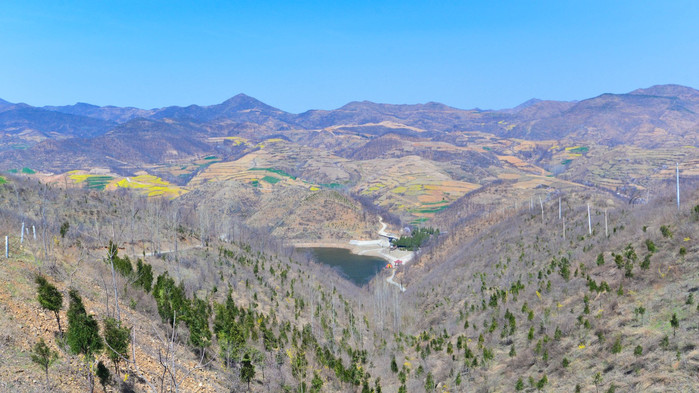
[[612, 118]]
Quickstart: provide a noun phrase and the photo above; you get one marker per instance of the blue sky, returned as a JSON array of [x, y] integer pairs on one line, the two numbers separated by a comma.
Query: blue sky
[[299, 55]]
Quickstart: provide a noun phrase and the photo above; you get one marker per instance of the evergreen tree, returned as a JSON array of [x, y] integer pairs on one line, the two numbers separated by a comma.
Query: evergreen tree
[[429, 382], [170, 298], [597, 380], [247, 370], [316, 383], [44, 357], [117, 339], [123, 265], [377, 385], [144, 275], [675, 323], [616, 347], [83, 333], [64, 229], [50, 298], [394, 365], [197, 320]]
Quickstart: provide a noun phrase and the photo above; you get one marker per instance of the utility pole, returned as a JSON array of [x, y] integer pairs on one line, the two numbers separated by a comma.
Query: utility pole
[[564, 229], [21, 237], [34, 231], [559, 208], [542, 210], [677, 171], [7, 255], [589, 220]]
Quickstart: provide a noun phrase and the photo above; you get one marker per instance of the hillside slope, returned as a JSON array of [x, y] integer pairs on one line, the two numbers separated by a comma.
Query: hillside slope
[[501, 298]]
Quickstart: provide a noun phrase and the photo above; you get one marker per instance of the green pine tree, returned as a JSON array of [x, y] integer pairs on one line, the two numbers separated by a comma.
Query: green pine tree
[[429, 382], [394, 365], [50, 298], [83, 333], [247, 370], [316, 383], [675, 323], [44, 357], [117, 338]]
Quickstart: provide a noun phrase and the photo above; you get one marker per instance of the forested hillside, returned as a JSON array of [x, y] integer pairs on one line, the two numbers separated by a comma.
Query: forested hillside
[[194, 313], [529, 303]]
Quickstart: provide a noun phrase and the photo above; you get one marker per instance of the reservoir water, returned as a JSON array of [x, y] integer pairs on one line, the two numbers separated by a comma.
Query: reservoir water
[[359, 269]]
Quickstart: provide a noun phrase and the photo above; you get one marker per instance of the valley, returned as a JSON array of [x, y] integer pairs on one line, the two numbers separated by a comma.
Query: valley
[[370, 248]]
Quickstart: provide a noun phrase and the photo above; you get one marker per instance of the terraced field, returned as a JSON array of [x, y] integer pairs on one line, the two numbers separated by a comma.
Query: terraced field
[[150, 185], [143, 182], [627, 166], [417, 178], [411, 185], [90, 181]]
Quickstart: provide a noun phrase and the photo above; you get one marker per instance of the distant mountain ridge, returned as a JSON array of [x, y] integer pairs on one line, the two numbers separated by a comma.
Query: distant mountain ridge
[[108, 113], [662, 115]]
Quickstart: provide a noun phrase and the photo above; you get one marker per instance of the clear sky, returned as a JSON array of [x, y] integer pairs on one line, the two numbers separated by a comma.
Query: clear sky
[[299, 55]]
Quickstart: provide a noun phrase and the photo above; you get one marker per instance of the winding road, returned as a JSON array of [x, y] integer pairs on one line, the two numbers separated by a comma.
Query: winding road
[[384, 244]]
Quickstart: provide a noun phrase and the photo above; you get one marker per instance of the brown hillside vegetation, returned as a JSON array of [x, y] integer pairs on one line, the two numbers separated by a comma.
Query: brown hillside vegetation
[[501, 297], [519, 284], [283, 308]]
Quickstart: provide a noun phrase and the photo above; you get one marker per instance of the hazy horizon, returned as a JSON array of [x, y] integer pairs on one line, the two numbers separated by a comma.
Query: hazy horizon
[[307, 55]]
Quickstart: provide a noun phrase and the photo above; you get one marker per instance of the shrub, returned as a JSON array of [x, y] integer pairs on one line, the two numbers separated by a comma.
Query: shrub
[[616, 347], [666, 231], [665, 343], [64, 229], [650, 245]]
